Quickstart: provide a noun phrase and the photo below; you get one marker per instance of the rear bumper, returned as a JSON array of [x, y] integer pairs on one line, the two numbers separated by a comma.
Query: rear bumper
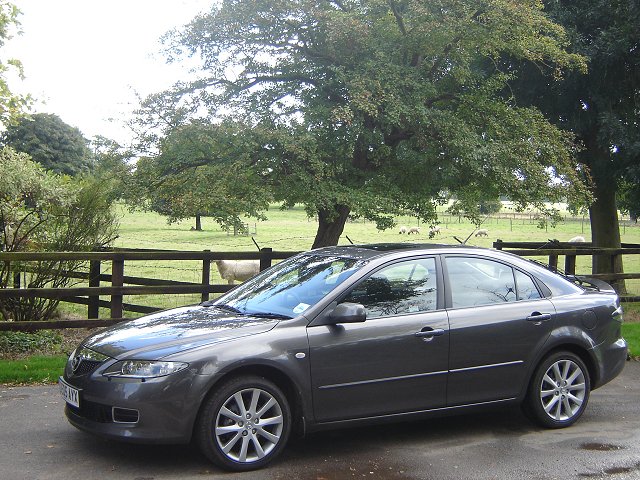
[[612, 359]]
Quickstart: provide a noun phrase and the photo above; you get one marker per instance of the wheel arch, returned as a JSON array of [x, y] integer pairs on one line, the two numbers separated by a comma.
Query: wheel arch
[[283, 381], [577, 349]]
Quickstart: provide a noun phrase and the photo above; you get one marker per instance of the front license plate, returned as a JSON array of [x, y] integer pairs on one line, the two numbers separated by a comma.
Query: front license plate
[[71, 395]]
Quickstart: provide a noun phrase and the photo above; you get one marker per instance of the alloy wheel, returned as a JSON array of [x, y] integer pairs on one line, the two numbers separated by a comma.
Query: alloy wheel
[[563, 390], [249, 425]]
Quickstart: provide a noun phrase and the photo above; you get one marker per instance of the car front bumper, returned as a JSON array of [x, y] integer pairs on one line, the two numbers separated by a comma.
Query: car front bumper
[[157, 410]]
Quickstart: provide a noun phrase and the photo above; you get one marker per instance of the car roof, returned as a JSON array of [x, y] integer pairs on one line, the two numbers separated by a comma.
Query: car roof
[[368, 251]]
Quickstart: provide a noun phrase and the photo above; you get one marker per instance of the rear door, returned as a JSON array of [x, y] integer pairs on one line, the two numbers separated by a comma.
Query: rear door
[[498, 321]]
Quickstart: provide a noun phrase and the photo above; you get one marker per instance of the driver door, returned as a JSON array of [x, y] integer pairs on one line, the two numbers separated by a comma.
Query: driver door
[[397, 360]]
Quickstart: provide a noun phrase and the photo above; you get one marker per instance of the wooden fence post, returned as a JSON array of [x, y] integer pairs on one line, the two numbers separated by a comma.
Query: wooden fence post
[[206, 276], [570, 264], [553, 262], [265, 258], [93, 310], [117, 278]]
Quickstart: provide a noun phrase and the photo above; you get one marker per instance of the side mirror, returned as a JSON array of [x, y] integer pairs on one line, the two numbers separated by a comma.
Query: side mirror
[[347, 312]]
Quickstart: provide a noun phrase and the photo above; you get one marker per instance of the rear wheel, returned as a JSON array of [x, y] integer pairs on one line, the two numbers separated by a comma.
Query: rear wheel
[[559, 390], [244, 424]]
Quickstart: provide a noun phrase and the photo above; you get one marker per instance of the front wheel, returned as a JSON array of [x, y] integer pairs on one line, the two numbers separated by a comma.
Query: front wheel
[[559, 390], [244, 424]]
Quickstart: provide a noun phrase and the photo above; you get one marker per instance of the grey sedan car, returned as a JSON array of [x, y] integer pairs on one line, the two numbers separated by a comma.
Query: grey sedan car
[[343, 336]]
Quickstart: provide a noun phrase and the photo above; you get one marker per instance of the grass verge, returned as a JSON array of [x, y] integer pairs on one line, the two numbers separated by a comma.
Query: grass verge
[[37, 369], [631, 333]]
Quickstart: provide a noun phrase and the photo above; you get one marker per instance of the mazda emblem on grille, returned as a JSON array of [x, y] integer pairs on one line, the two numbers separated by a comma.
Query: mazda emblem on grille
[[75, 363]]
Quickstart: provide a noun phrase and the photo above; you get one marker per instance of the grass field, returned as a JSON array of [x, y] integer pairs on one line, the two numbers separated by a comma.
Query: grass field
[[291, 230]]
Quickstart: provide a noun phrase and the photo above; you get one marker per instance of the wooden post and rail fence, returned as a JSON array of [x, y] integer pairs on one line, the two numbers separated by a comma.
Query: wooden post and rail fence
[[121, 284]]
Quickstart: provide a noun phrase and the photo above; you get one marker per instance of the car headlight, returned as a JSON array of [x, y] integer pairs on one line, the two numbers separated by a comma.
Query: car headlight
[[143, 369], [85, 353]]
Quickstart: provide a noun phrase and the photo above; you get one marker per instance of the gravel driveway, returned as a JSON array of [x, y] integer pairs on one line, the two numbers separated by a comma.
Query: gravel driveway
[[36, 442]]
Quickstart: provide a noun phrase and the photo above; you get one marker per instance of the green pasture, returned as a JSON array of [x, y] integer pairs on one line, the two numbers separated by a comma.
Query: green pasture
[[292, 230]]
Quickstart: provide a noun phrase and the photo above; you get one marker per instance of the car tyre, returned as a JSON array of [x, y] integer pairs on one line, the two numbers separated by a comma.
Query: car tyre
[[244, 424], [559, 391]]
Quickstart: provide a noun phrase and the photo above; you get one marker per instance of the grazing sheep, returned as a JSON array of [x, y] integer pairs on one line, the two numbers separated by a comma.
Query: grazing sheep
[[578, 239], [415, 230], [403, 229], [433, 231], [483, 232], [241, 270]]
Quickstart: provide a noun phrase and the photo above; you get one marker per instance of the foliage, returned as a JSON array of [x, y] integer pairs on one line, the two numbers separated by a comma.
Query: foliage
[[43, 211], [51, 142], [380, 106], [199, 172], [14, 343], [488, 207], [112, 166], [629, 192], [11, 105]]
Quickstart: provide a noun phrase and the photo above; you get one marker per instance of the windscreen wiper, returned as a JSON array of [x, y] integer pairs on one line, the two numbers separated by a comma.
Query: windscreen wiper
[[227, 308], [276, 316]]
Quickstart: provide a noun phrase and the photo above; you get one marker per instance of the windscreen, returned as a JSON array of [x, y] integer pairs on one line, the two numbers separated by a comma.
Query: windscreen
[[290, 287]]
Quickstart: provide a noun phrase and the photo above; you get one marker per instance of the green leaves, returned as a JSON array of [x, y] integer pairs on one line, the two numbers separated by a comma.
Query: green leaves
[[51, 142]]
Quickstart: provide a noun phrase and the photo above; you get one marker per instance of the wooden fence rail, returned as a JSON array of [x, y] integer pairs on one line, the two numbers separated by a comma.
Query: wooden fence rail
[[121, 284], [570, 251]]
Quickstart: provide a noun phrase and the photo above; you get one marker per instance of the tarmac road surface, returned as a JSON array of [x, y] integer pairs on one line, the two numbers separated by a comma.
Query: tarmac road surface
[[37, 443]]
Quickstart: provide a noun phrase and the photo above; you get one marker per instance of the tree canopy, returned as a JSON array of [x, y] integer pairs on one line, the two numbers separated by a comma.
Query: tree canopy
[[376, 107], [51, 142], [200, 171]]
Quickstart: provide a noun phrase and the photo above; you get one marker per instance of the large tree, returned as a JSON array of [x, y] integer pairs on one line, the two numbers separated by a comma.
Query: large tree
[[54, 144], [601, 106], [372, 107]]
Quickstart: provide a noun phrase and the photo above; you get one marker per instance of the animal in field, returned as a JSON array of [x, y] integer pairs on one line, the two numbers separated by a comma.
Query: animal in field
[[403, 229], [433, 231], [240, 270], [415, 230], [577, 239], [483, 232]]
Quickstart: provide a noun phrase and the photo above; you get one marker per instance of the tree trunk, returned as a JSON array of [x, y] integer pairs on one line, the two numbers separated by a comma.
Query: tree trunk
[[605, 229], [330, 225], [198, 223]]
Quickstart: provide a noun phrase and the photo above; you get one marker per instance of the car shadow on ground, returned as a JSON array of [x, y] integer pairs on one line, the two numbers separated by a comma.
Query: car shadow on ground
[[340, 453]]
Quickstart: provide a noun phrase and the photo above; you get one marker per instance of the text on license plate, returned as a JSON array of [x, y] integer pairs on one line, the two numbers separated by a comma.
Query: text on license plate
[[71, 395]]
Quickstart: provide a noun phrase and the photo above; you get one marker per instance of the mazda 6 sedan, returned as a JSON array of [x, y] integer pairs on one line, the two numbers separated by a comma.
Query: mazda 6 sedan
[[343, 336]]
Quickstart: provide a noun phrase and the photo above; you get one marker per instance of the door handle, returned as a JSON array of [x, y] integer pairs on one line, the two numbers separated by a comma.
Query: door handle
[[539, 317], [428, 333]]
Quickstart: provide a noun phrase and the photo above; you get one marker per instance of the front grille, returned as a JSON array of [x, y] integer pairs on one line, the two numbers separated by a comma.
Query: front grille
[[85, 367], [93, 411]]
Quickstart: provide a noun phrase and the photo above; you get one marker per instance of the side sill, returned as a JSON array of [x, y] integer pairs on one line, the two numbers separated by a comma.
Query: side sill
[[399, 417]]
